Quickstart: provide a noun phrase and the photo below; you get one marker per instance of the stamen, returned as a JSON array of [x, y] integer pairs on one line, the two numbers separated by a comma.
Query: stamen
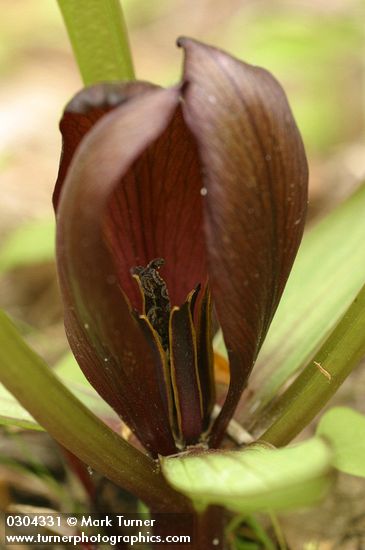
[[157, 305]]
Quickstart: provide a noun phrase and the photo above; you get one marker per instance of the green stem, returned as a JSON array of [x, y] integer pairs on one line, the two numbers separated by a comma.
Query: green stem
[[309, 393], [99, 39], [76, 428]]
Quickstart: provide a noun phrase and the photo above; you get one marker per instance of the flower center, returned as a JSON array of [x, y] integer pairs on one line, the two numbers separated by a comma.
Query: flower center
[[185, 362], [156, 299]]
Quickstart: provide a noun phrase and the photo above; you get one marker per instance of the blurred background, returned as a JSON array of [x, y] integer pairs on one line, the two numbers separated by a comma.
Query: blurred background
[[316, 48]]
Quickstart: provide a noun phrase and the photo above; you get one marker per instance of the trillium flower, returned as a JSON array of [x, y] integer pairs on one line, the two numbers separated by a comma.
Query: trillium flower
[[171, 202]]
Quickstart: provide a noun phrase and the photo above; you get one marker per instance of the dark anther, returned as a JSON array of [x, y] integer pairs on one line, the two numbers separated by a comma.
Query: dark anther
[[156, 296]]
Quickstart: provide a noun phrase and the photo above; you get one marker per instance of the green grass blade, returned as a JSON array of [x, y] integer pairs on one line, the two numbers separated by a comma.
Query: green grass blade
[[99, 39]]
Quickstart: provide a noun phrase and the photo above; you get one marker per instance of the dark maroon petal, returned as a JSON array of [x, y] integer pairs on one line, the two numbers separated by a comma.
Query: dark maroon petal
[[156, 212], [109, 344], [256, 194], [83, 111], [184, 374]]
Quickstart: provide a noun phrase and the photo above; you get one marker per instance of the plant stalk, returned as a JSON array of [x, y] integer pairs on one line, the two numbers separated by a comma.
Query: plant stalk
[[99, 39]]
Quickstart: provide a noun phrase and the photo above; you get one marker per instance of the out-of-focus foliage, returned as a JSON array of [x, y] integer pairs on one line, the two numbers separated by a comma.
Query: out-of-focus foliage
[[26, 28], [13, 414], [345, 429], [320, 59], [32, 242]]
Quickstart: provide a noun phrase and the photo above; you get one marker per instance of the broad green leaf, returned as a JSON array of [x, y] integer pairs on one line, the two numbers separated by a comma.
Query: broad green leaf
[[345, 430], [29, 244], [319, 381], [327, 275], [99, 39], [255, 479], [75, 427]]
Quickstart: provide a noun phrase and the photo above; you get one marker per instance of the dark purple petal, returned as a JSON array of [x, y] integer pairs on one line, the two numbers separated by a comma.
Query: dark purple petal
[[108, 342], [256, 195]]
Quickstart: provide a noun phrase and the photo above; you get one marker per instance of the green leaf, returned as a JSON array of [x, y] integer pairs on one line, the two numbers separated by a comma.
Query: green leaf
[[345, 430], [319, 381], [75, 427], [29, 244], [255, 479], [327, 275], [99, 39]]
